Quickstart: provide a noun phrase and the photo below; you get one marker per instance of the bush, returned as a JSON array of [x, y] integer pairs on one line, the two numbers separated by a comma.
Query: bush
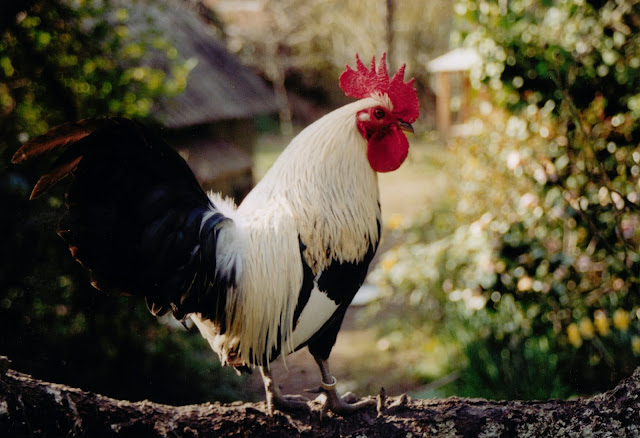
[[540, 285]]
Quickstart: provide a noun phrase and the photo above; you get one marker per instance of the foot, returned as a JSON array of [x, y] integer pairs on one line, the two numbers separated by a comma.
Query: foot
[[276, 400], [287, 403], [339, 405], [345, 405]]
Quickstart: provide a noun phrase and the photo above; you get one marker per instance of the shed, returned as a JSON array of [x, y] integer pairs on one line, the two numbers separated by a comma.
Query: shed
[[451, 74], [212, 123]]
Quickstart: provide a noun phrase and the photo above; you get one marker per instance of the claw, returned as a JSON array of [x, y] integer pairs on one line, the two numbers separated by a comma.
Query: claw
[[317, 390], [382, 398]]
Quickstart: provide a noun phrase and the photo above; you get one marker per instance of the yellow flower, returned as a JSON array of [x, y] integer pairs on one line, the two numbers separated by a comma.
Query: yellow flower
[[395, 221], [573, 333], [635, 345], [621, 320], [602, 323], [585, 326]]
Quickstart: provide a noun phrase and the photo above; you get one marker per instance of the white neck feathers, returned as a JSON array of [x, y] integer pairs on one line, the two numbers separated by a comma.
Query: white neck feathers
[[332, 191]]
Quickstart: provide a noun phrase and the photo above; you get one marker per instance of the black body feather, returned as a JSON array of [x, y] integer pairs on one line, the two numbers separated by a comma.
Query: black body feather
[[341, 282]]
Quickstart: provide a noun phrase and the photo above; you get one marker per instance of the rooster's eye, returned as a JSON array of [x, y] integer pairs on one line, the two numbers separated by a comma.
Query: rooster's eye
[[378, 113]]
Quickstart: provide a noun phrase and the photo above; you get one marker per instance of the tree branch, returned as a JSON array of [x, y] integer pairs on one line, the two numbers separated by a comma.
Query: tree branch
[[31, 407]]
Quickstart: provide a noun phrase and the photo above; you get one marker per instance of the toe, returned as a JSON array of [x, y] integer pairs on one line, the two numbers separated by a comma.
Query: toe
[[295, 398], [349, 397], [339, 406], [292, 403]]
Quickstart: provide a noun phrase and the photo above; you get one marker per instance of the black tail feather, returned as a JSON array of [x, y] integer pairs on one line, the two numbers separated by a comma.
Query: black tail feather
[[134, 214]]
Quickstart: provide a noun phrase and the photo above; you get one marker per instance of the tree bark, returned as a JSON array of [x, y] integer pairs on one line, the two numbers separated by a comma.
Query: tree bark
[[31, 407], [390, 15]]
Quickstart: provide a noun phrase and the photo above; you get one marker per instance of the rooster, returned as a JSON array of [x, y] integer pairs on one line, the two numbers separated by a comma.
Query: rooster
[[260, 280]]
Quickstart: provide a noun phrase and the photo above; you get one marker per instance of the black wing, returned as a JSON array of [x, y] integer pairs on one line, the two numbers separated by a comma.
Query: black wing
[[136, 217]]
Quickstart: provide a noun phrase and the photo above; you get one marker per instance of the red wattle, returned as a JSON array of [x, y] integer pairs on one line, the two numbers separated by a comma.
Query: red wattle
[[387, 149]]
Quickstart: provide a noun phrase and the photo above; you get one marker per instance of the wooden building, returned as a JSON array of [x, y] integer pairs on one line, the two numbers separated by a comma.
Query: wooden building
[[212, 123], [451, 85]]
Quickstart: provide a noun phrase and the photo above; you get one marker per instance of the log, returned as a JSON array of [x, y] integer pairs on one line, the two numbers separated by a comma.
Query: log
[[31, 407]]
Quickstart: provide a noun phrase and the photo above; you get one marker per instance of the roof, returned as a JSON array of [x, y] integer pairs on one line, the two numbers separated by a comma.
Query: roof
[[219, 87], [455, 60]]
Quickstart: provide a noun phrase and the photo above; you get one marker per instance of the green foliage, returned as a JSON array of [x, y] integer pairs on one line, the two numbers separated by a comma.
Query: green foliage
[[51, 74], [60, 61], [539, 284]]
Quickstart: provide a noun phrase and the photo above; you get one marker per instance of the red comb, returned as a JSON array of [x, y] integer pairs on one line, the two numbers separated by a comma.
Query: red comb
[[364, 82]]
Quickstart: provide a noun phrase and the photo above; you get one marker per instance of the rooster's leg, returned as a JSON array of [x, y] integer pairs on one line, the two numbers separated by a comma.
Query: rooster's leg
[[335, 403], [275, 398]]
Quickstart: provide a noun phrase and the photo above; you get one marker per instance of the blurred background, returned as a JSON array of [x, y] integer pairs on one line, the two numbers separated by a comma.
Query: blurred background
[[509, 265]]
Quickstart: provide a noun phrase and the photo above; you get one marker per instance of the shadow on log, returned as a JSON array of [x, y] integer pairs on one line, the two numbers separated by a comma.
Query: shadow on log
[[31, 407]]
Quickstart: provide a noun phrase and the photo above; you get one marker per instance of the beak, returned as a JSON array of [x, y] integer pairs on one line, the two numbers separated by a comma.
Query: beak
[[405, 126]]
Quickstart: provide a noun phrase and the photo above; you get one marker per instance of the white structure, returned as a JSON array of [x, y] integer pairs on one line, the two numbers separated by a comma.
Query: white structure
[[456, 65]]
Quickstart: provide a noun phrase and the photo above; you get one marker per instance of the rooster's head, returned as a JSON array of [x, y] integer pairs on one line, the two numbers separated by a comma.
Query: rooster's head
[[382, 124]]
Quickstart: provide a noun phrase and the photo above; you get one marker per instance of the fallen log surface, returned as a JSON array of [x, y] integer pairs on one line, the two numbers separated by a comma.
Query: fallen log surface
[[31, 407]]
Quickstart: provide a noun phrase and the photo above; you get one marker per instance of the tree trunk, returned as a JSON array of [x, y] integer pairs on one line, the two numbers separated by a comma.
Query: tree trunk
[[30, 407], [390, 13], [276, 74]]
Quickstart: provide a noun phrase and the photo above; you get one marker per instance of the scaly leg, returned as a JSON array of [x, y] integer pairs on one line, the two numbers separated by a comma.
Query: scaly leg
[[275, 398], [334, 402]]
